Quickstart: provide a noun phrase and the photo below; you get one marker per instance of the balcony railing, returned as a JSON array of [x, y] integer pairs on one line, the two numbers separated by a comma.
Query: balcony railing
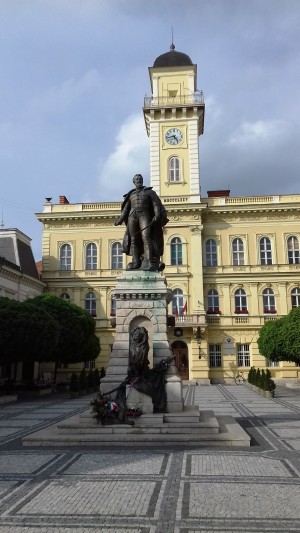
[[170, 101], [190, 320]]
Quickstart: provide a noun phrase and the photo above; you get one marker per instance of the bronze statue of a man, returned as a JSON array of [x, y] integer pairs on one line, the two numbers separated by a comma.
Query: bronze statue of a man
[[145, 217]]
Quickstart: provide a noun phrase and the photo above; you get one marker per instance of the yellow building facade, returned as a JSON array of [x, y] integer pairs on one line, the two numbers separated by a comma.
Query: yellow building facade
[[232, 262]]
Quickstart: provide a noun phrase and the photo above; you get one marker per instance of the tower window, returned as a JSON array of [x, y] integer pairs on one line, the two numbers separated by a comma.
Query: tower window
[[174, 169], [176, 251]]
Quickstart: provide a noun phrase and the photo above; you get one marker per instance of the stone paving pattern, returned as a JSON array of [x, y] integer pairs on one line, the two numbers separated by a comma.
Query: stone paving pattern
[[141, 490]]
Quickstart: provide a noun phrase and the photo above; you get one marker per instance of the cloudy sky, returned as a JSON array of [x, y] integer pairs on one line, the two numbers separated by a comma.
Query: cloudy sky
[[74, 73]]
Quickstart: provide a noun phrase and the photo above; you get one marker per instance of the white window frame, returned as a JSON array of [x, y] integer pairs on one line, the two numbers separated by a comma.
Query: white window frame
[[215, 356], [213, 301], [90, 303], [295, 297], [177, 302], [91, 257], [211, 254], [265, 251], [243, 355], [269, 302], [65, 256], [240, 300], [238, 254], [176, 244], [174, 170], [293, 250], [116, 258]]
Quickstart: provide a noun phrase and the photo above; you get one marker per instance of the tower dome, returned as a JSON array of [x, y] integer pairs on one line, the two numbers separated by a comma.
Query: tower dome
[[172, 59]]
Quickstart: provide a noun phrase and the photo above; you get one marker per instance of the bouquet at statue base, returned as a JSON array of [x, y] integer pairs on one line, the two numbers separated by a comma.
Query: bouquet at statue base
[[104, 410]]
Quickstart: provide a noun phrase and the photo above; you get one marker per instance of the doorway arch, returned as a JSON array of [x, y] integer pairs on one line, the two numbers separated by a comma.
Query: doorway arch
[[181, 352]]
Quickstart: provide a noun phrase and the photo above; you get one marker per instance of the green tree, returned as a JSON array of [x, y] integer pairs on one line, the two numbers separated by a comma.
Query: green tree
[[77, 339], [26, 332], [279, 340]]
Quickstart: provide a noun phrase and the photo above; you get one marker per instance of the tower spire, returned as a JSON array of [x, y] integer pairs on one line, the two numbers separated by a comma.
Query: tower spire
[[172, 47], [2, 222]]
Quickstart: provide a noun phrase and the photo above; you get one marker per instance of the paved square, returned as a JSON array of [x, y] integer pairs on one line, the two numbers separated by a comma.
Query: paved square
[[239, 500], [23, 463], [156, 490], [83, 497], [117, 464]]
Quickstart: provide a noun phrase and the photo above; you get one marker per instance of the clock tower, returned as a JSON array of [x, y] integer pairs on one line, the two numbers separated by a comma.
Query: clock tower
[[174, 117]]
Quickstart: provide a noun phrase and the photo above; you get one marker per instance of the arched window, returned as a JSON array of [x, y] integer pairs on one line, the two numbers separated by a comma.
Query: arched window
[[65, 296], [177, 302], [240, 301], [116, 256], [295, 294], [211, 259], [113, 306], [90, 303], [269, 301], [65, 257], [176, 251], [174, 169], [265, 251], [293, 251], [238, 257], [213, 301], [91, 257]]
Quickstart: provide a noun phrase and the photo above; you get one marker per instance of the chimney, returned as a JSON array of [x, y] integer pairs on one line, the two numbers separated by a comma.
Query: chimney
[[63, 200], [218, 193]]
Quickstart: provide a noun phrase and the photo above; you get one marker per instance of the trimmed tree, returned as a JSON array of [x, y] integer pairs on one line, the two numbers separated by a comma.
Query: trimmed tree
[[77, 339], [279, 340], [26, 332]]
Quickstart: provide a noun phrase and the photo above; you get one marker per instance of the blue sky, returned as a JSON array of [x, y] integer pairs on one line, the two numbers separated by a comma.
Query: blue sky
[[74, 73]]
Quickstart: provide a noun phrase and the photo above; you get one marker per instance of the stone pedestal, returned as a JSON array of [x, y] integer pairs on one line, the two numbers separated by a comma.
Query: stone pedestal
[[137, 399], [141, 300]]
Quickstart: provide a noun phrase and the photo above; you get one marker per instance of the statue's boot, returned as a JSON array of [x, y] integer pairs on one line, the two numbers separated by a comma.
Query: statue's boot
[[136, 263]]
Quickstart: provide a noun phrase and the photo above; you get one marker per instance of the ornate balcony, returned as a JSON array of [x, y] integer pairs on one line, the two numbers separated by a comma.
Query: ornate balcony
[[188, 321]]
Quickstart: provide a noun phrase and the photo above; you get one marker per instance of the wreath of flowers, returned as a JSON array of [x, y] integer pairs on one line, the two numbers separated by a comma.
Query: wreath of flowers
[[107, 411]]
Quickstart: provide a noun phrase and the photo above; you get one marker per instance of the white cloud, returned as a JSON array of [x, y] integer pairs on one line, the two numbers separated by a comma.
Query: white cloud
[[213, 112], [130, 156], [59, 98], [261, 131]]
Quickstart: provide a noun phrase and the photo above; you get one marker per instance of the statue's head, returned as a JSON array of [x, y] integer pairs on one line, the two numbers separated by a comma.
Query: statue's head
[[138, 180], [140, 334]]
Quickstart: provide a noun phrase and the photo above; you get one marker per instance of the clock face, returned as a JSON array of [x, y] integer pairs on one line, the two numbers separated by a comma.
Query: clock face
[[173, 136]]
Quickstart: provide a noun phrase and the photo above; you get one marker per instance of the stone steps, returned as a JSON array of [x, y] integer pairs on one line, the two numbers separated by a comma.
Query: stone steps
[[84, 431]]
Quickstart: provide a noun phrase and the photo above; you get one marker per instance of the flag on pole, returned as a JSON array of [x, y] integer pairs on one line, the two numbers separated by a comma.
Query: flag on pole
[[184, 309]]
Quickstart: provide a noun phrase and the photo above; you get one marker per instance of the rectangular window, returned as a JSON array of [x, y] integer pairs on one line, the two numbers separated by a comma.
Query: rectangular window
[[243, 355], [62, 365], [215, 356], [272, 364], [89, 364]]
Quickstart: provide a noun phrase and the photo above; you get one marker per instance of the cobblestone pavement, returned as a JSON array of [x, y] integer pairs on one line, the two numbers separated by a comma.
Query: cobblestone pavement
[[197, 490]]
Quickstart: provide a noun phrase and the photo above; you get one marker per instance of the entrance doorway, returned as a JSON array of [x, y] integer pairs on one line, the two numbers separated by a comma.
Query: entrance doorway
[[180, 350]]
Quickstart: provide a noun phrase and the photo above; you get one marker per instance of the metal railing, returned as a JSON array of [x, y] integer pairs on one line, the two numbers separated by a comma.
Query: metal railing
[[182, 100]]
